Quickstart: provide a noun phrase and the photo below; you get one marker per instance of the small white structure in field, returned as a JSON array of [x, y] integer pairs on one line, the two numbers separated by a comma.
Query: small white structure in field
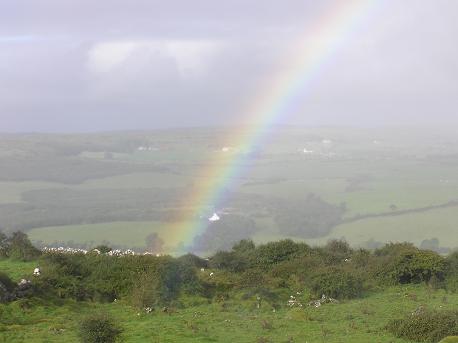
[[214, 218], [36, 271], [226, 149], [326, 141], [308, 152]]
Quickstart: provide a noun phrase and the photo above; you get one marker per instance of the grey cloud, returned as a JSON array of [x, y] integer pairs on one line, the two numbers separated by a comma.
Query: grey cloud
[[183, 63]]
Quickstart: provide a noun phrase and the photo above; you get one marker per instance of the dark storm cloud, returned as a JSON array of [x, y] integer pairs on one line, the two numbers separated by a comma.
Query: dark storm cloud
[[101, 65]]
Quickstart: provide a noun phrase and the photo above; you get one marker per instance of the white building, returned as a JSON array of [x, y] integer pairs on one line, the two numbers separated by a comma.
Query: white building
[[214, 218]]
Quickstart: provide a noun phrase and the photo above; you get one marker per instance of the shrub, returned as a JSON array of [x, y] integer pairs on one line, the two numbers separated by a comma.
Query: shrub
[[245, 246], [145, 292], [18, 247], [99, 328], [229, 260], [6, 287], [393, 249], [336, 251], [451, 284], [275, 252], [425, 326], [336, 283], [4, 244], [452, 260], [193, 260], [416, 266], [64, 274], [252, 278], [452, 272]]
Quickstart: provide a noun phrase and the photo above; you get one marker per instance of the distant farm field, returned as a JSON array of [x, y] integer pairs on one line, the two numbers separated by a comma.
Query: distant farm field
[[137, 180], [130, 234], [128, 183], [414, 227], [11, 192]]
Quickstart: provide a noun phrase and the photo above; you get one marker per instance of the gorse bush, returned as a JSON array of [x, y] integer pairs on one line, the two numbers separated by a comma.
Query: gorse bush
[[275, 252], [17, 246], [415, 266], [104, 278], [336, 283], [99, 328], [335, 270], [145, 292], [425, 326]]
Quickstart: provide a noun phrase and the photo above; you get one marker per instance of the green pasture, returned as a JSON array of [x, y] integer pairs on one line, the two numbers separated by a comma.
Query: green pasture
[[11, 192], [129, 234], [358, 321], [406, 185], [414, 227], [137, 180], [395, 172]]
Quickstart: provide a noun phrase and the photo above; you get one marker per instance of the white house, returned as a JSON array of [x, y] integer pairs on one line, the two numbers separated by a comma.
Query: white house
[[214, 218]]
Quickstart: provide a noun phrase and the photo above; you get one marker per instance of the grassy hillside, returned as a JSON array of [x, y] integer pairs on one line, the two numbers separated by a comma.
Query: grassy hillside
[[358, 321], [250, 294]]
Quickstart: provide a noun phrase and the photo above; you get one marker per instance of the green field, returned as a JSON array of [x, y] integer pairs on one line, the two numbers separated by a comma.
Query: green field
[[108, 180], [128, 234], [415, 227], [11, 192]]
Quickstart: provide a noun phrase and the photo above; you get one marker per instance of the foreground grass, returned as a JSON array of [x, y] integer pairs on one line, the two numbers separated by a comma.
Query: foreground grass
[[16, 269], [237, 320]]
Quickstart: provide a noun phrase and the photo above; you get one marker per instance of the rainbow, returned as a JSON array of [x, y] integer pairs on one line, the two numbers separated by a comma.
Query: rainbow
[[306, 58]]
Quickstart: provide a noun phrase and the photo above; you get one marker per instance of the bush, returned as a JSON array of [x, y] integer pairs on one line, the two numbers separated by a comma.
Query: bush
[[336, 283], [64, 274], [416, 266], [336, 251], [229, 260], [425, 326], [6, 287], [99, 328], [193, 261], [3, 245], [18, 247], [452, 271], [146, 292], [275, 252], [393, 249]]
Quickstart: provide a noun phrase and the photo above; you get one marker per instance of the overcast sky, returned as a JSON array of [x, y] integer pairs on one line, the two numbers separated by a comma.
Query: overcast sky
[[87, 65]]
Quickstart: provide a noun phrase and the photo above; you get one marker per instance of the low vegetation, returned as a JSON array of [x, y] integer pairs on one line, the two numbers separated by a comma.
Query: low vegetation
[[252, 280]]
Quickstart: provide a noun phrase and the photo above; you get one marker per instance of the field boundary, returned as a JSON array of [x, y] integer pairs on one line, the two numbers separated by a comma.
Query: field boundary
[[452, 203]]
